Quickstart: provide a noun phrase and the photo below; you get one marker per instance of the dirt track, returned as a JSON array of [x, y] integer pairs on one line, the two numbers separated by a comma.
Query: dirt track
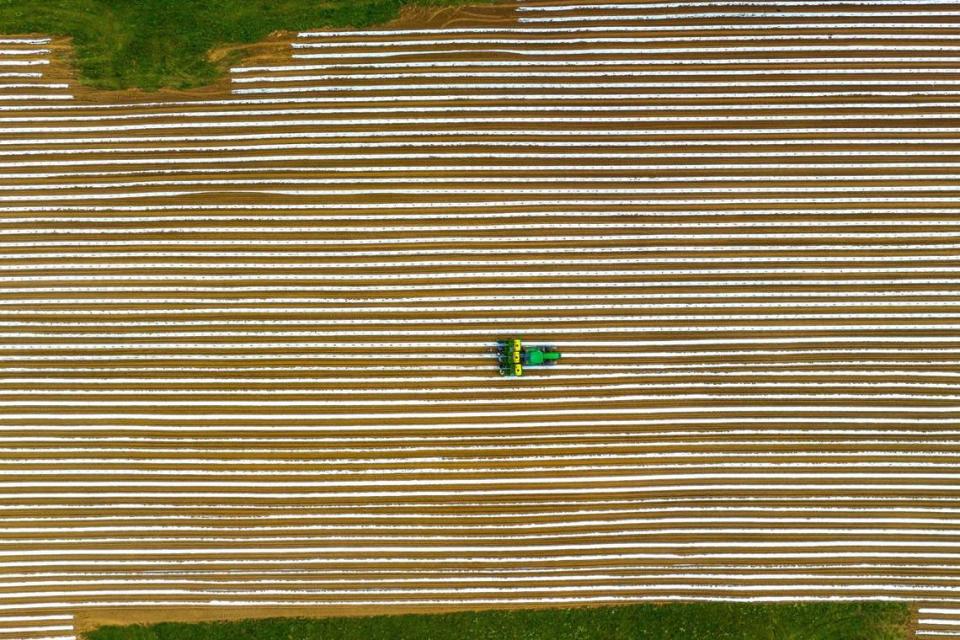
[[246, 336]]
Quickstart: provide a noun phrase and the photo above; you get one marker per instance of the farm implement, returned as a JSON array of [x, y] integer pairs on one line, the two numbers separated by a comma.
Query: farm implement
[[513, 357]]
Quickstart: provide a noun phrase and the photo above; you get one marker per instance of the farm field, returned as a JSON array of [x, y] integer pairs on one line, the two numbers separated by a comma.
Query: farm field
[[246, 336]]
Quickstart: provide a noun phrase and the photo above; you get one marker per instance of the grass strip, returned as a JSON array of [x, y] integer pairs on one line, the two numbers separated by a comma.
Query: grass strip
[[687, 621]]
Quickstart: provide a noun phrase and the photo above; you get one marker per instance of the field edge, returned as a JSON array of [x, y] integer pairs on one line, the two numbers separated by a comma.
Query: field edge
[[857, 620]]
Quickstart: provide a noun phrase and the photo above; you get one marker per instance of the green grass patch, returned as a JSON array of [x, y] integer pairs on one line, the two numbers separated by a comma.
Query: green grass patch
[[694, 621], [151, 44]]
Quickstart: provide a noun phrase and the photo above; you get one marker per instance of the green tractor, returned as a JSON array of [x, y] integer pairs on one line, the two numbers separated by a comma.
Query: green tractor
[[512, 357]]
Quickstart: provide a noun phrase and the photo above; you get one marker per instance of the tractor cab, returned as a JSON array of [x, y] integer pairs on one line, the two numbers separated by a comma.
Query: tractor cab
[[513, 357]]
